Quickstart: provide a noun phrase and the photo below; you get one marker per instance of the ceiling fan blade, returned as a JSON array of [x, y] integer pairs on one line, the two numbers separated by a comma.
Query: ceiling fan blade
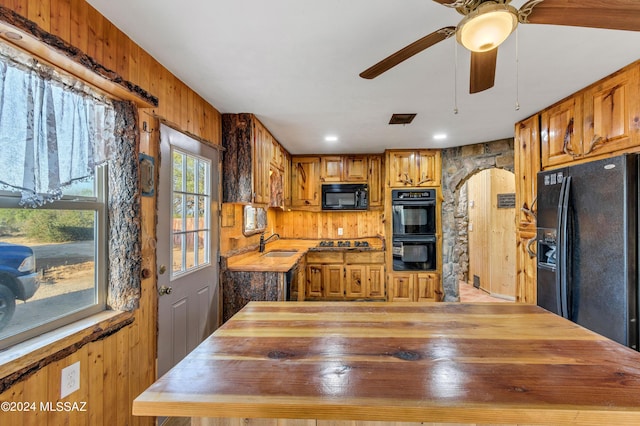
[[483, 70], [404, 54], [608, 14]]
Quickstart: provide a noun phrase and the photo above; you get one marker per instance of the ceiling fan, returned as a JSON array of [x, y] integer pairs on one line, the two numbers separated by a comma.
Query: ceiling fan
[[487, 23]]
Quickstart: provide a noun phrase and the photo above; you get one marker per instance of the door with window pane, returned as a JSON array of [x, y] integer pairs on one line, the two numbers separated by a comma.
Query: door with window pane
[[187, 245]]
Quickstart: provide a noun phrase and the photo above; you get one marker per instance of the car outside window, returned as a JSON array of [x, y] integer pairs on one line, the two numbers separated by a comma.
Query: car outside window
[[51, 268]]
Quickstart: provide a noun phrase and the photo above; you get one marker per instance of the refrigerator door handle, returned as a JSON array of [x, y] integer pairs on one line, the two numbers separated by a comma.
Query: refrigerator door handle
[[559, 252], [564, 250]]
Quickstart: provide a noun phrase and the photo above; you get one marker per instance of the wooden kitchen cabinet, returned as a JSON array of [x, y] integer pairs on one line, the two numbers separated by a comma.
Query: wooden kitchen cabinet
[[313, 277], [325, 275], [401, 287], [262, 141], [376, 181], [561, 132], [247, 160], [428, 287], [414, 287], [333, 281], [355, 278], [611, 110], [330, 168], [527, 166], [364, 274], [355, 168], [600, 120], [526, 267], [337, 275], [348, 168], [305, 181], [414, 168]]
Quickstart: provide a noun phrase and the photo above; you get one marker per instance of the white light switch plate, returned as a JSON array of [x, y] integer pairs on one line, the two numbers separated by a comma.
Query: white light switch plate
[[70, 381], [340, 231]]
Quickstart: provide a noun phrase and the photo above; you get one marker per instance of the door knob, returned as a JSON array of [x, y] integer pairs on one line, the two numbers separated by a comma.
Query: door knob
[[163, 269], [164, 290]]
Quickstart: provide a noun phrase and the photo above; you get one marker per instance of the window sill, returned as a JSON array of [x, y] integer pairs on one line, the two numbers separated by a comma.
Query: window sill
[[24, 359]]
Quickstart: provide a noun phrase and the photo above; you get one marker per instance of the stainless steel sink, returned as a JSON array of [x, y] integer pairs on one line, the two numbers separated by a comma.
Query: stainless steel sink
[[280, 253]]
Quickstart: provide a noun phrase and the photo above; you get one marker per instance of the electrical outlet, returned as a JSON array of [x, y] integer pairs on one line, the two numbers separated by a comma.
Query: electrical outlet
[[70, 381], [340, 231]]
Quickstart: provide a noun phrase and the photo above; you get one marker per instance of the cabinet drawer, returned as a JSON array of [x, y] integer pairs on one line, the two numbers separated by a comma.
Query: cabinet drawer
[[364, 257], [325, 257]]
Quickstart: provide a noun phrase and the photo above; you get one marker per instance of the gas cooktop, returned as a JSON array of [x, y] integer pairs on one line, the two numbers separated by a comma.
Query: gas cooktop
[[343, 243]]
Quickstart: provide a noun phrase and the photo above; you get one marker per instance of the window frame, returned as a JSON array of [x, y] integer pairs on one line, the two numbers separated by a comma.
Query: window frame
[[183, 233], [98, 204]]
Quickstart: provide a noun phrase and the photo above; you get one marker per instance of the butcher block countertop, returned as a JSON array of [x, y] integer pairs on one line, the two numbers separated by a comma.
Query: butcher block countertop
[[401, 362], [255, 261]]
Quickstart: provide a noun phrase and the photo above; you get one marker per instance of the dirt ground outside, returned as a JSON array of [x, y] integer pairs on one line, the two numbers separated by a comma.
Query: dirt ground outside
[[66, 282]]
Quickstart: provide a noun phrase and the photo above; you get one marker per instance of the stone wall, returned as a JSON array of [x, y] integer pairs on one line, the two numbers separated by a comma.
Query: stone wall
[[458, 166]]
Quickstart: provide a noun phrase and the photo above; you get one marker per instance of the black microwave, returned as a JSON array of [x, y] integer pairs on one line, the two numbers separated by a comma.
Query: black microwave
[[345, 196]]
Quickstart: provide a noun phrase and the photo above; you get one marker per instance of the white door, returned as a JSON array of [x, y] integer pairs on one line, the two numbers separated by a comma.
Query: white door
[[187, 246]]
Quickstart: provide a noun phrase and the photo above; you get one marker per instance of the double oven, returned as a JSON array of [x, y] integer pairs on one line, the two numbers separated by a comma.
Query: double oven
[[414, 229]]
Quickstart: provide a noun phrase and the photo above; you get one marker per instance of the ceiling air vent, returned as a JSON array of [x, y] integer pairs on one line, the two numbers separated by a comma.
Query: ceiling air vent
[[401, 118]]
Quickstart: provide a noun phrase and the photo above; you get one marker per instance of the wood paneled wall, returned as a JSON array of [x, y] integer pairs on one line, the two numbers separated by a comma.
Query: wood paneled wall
[[116, 369], [324, 225], [298, 224]]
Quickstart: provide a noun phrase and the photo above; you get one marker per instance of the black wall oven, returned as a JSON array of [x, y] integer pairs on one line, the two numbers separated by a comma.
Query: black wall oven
[[414, 229]]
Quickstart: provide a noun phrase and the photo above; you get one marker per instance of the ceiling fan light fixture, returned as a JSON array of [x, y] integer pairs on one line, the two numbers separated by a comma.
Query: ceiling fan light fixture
[[487, 27]]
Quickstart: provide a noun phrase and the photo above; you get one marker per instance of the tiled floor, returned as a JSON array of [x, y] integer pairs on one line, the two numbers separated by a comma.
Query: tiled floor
[[469, 293]]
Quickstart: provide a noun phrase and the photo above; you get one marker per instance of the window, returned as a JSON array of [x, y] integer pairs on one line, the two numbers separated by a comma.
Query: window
[[55, 136], [52, 268], [191, 197]]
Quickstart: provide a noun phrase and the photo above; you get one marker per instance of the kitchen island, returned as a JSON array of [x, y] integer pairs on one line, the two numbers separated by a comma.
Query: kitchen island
[[403, 362]]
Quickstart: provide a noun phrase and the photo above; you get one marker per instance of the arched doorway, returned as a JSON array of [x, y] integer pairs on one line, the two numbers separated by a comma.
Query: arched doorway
[[491, 232], [459, 164]]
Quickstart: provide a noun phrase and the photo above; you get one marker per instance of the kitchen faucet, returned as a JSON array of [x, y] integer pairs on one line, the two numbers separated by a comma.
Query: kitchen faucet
[[263, 242]]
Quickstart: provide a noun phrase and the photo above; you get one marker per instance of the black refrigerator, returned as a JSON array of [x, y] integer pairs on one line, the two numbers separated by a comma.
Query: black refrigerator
[[587, 240]]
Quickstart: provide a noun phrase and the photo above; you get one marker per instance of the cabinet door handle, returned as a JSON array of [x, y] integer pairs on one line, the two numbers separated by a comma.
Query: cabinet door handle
[[303, 175], [597, 140], [566, 145], [530, 212], [532, 254]]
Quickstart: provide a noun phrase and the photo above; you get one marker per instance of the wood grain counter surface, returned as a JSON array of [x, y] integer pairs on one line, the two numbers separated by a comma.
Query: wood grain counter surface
[[257, 262], [402, 362]]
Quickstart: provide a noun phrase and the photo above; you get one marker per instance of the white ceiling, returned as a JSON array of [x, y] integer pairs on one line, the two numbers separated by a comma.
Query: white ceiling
[[295, 64]]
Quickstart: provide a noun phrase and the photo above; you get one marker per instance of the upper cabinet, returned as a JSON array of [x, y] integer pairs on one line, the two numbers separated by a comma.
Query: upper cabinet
[[305, 181], [347, 168], [527, 166], [602, 119], [355, 168], [254, 162], [612, 113], [330, 168], [414, 168], [376, 181], [308, 173], [561, 132]]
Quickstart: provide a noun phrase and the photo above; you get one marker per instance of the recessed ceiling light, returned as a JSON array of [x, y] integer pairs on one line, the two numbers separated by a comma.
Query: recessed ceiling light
[[439, 136], [331, 138]]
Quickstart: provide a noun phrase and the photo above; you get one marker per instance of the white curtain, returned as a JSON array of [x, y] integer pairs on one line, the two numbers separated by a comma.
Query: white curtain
[[52, 133]]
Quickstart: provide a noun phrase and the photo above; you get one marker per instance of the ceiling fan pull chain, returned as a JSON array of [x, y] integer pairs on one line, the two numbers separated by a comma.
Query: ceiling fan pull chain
[[517, 72], [455, 78]]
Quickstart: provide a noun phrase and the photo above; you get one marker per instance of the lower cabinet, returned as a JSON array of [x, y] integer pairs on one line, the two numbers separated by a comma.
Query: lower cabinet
[[526, 267], [334, 275], [414, 287]]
